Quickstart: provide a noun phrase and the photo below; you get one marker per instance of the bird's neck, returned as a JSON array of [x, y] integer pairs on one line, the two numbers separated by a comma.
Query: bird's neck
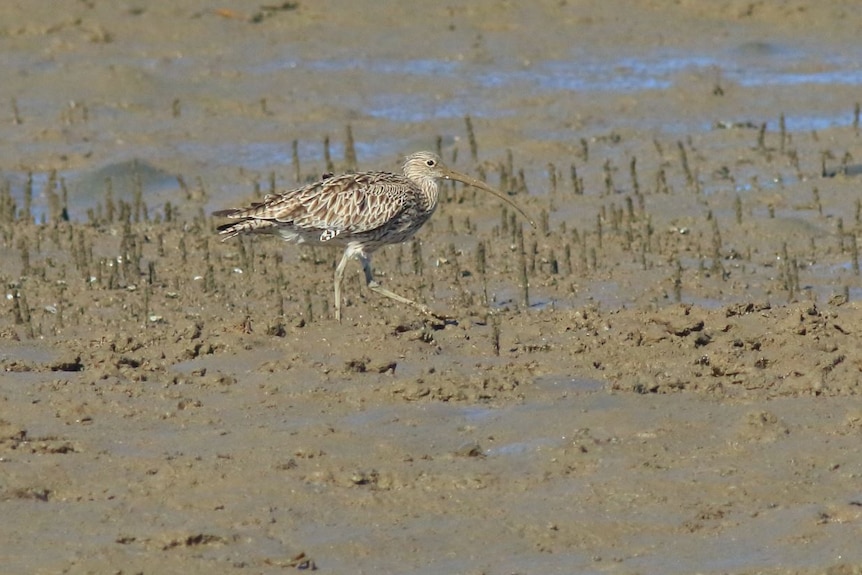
[[430, 194]]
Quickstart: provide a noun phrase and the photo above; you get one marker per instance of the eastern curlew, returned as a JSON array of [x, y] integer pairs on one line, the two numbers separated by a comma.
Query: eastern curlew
[[359, 212]]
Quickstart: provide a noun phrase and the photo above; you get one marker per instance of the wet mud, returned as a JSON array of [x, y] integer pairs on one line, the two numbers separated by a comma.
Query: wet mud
[[662, 377]]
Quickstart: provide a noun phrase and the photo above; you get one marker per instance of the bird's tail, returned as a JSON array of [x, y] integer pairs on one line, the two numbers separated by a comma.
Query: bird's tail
[[243, 226]]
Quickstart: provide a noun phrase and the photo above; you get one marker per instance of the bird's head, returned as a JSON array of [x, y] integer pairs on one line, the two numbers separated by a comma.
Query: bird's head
[[423, 165], [423, 168]]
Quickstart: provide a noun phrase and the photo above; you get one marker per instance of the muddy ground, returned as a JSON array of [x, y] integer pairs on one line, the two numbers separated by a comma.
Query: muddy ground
[[662, 377]]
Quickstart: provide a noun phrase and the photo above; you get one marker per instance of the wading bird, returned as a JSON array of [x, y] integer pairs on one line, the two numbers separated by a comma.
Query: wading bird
[[359, 212]]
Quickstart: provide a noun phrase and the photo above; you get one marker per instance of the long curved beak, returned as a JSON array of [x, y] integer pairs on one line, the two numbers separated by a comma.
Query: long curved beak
[[450, 174]]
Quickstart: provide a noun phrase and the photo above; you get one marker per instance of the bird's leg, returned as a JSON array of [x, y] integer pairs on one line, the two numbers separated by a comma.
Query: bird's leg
[[377, 288], [339, 276]]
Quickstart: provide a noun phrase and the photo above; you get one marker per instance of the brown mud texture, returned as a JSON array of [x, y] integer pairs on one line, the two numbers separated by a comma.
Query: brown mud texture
[[662, 377]]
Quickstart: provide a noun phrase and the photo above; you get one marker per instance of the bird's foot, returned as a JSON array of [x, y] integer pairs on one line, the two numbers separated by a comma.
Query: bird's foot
[[446, 319]]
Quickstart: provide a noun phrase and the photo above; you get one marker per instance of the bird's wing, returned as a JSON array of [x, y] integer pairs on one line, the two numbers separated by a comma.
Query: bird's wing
[[352, 203]]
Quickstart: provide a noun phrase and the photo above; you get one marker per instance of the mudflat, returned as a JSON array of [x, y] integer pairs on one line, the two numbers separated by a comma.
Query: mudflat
[[662, 377]]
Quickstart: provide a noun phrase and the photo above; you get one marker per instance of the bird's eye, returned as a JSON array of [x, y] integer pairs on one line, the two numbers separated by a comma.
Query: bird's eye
[[430, 163]]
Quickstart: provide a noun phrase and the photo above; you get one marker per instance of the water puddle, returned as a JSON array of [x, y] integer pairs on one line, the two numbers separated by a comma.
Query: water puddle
[[752, 65]]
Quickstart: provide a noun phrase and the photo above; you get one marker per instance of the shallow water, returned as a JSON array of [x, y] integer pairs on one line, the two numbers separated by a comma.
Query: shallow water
[[602, 428], [582, 75]]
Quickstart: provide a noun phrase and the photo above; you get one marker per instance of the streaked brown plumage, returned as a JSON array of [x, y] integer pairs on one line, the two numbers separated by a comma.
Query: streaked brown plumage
[[359, 212]]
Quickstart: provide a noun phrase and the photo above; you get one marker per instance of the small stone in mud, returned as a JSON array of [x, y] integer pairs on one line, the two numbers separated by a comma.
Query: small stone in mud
[[68, 365], [385, 366], [702, 340], [357, 365], [364, 477], [414, 391], [470, 450]]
